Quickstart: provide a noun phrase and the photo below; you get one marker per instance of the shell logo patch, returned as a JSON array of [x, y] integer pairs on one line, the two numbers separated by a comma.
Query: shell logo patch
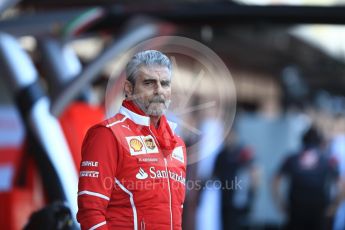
[[136, 145], [141, 145]]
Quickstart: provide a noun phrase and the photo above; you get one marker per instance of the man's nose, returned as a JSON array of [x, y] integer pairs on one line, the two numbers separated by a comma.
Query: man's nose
[[158, 88]]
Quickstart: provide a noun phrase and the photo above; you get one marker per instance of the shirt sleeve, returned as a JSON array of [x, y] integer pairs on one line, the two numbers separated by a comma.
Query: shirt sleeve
[[96, 177]]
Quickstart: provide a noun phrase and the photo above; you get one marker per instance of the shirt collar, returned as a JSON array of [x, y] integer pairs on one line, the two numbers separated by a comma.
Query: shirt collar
[[140, 119]]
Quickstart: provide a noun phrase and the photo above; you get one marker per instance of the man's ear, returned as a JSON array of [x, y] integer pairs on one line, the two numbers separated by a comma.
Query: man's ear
[[128, 88]]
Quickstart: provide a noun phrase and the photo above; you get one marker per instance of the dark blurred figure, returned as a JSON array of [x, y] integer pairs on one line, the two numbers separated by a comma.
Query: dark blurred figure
[[55, 216], [235, 169], [311, 174]]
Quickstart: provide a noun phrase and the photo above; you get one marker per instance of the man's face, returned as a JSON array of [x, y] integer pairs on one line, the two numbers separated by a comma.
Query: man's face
[[152, 90]]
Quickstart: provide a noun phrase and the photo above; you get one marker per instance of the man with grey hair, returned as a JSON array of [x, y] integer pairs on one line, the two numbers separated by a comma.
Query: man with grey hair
[[152, 92], [132, 174]]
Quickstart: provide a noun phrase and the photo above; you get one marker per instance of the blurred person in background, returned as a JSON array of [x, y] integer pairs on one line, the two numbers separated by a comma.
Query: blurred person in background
[[133, 169], [337, 149], [311, 175], [235, 169]]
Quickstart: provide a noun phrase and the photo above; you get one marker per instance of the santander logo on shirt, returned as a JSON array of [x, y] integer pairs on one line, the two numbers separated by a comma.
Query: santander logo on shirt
[[142, 175]]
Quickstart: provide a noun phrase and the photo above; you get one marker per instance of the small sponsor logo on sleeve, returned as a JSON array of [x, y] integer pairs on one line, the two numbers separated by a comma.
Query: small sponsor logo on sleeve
[[89, 164], [89, 174]]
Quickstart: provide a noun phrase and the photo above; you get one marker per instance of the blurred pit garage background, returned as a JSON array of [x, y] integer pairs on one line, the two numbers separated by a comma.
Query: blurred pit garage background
[[287, 62]]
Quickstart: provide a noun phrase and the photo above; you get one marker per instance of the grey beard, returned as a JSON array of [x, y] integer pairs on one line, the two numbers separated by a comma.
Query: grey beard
[[151, 112]]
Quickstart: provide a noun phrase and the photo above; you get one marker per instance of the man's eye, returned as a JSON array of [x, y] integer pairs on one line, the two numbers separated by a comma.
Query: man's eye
[[148, 83], [165, 84]]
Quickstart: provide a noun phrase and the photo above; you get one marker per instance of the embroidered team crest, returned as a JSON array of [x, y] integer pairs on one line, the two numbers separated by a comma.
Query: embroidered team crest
[[136, 145], [150, 143]]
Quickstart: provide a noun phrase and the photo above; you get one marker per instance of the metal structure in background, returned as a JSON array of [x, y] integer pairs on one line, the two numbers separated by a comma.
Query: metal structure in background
[[60, 64], [23, 80], [50, 18], [5, 4], [181, 14], [201, 12], [88, 75]]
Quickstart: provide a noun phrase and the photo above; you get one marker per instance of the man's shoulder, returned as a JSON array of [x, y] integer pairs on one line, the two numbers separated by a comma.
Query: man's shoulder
[[108, 124], [179, 140], [113, 122]]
